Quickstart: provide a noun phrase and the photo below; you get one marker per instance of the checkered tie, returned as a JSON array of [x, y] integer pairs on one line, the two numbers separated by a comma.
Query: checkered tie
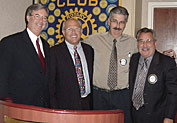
[[112, 75], [137, 98], [79, 72]]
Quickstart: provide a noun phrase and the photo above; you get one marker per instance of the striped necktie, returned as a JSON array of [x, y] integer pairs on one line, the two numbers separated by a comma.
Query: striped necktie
[[137, 98]]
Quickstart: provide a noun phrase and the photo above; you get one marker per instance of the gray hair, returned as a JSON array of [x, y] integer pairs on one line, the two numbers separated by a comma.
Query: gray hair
[[64, 23], [34, 7], [146, 30], [119, 10]]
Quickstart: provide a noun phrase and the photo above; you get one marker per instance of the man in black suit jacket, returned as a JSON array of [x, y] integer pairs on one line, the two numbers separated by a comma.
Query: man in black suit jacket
[[159, 97], [65, 92], [23, 79]]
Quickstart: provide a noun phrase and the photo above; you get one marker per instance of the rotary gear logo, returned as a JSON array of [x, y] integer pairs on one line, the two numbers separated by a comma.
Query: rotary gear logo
[[88, 25]]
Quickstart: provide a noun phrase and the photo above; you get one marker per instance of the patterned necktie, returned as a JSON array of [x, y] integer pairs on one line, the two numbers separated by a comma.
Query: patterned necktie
[[79, 72], [137, 98], [41, 57], [112, 75]]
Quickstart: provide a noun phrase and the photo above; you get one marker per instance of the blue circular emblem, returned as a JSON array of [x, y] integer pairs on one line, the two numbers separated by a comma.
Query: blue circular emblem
[[112, 1], [108, 9]]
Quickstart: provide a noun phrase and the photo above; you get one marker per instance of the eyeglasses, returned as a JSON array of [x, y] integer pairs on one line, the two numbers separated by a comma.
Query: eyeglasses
[[37, 17], [114, 21], [73, 29], [147, 41]]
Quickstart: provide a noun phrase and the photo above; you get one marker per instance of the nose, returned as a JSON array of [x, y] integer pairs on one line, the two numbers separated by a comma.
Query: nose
[[145, 43], [118, 24], [41, 19]]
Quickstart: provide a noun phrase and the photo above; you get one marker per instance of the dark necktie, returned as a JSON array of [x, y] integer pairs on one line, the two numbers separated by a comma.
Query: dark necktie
[[79, 72], [41, 57], [137, 97], [112, 75]]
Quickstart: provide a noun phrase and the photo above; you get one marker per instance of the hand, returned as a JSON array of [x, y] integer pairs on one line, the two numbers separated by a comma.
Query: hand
[[170, 53], [167, 120]]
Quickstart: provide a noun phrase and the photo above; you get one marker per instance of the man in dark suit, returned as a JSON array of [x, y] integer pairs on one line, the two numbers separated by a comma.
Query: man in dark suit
[[153, 82], [66, 89], [24, 62]]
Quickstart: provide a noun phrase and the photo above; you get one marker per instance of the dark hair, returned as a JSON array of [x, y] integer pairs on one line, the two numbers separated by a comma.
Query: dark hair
[[146, 30], [32, 8], [119, 10]]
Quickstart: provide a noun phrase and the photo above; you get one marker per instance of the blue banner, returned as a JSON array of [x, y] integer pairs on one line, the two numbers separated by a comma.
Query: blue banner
[[92, 13]]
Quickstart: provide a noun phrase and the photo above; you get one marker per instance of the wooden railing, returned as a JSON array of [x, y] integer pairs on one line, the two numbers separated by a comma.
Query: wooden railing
[[45, 115]]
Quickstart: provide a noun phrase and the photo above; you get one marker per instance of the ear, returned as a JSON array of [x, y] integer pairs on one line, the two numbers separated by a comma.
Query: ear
[[27, 18], [81, 31], [155, 43], [109, 22], [63, 33]]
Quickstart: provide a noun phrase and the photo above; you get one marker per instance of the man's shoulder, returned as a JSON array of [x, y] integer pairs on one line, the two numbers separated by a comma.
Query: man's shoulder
[[13, 36], [164, 57], [86, 45], [126, 37], [58, 46], [97, 35]]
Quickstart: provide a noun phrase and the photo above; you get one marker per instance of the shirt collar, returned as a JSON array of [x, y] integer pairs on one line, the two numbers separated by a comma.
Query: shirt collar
[[32, 36], [112, 38], [141, 61], [71, 46]]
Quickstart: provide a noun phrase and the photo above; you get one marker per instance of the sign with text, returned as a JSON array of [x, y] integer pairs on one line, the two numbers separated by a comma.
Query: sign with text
[[92, 13]]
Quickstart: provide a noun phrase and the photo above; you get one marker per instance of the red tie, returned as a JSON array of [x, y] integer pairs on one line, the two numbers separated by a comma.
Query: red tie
[[41, 57]]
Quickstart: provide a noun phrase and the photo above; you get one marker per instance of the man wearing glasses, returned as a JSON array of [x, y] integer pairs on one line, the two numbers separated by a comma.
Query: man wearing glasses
[[110, 78], [152, 82], [71, 70], [110, 86], [24, 61]]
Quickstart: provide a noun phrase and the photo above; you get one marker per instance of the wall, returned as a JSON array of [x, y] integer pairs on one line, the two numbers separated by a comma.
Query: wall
[[145, 10], [12, 14], [130, 6]]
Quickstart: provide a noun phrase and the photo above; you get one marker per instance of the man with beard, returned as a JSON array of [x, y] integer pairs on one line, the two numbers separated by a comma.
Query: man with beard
[[24, 61], [110, 89]]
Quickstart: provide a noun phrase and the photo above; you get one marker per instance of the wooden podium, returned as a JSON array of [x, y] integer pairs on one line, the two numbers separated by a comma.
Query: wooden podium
[[29, 114]]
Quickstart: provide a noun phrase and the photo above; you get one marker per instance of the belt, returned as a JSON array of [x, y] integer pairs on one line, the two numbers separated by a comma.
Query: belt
[[106, 90]]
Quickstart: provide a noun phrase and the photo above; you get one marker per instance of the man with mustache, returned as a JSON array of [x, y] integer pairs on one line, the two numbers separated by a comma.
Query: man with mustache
[[152, 82], [106, 97], [24, 61], [116, 96]]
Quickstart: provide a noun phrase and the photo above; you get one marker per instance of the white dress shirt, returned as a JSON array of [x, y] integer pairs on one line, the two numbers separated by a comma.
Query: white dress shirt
[[84, 65], [33, 38]]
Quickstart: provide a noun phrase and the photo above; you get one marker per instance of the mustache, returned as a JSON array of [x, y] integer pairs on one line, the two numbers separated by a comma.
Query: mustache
[[117, 28]]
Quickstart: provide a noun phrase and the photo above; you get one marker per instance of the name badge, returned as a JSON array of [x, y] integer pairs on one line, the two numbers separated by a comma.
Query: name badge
[[152, 79], [123, 61]]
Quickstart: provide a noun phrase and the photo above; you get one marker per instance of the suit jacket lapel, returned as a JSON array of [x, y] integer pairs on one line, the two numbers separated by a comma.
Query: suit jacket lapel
[[30, 49], [67, 56], [134, 68], [46, 51], [154, 64], [88, 60]]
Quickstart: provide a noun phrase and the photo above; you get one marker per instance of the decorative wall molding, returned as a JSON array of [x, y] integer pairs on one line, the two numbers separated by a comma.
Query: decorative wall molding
[[152, 5]]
